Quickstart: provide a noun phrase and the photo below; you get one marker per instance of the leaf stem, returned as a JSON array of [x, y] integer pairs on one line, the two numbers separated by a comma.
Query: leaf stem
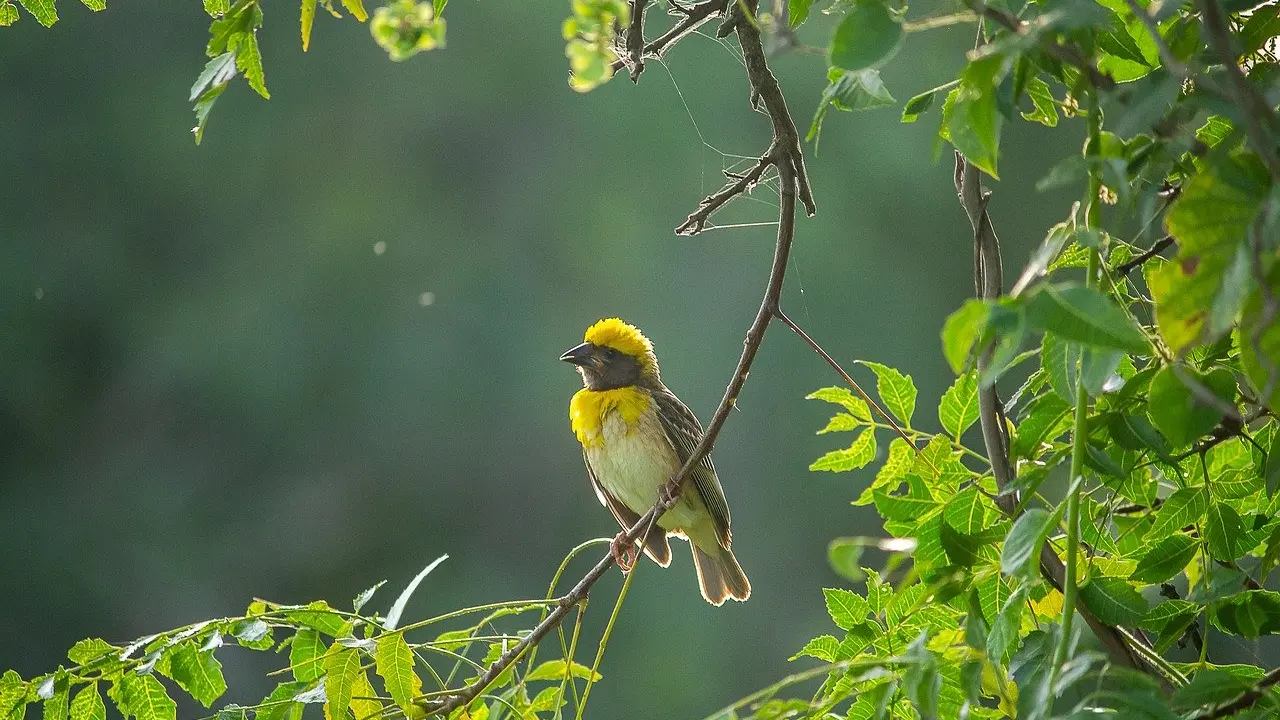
[[604, 640]]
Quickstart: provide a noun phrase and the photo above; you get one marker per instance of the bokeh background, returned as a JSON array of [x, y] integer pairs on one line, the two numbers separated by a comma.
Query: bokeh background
[[215, 387]]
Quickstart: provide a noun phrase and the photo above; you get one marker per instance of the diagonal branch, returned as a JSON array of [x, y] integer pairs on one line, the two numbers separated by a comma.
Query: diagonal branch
[[784, 155], [739, 183], [1138, 260], [634, 58], [989, 285]]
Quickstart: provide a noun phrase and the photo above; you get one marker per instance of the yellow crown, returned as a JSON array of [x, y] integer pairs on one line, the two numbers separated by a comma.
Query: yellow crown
[[625, 338]]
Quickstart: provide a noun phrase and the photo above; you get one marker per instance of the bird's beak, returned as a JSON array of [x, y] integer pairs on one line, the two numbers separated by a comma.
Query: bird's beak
[[581, 355]]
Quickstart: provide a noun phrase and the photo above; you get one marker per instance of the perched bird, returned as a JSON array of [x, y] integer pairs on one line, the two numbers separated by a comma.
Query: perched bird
[[635, 436]]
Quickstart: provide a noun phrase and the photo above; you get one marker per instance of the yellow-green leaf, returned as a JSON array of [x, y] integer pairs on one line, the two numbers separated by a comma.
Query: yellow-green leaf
[[95, 5], [356, 8], [308, 19], [144, 698], [341, 668], [857, 455], [897, 391], [555, 670], [394, 663], [306, 655], [43, 10], [88, 705]]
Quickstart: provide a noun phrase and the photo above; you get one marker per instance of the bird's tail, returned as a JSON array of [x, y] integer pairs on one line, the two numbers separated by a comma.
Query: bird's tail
[[720, 577]]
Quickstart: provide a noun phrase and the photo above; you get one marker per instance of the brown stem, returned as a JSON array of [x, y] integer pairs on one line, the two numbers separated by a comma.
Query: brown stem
[[1245, 700], [635, 39], [1138, 260], [693, 17]]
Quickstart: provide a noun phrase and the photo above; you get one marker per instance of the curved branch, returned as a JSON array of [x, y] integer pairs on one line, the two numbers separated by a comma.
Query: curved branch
[[693, 17], [784, 154]]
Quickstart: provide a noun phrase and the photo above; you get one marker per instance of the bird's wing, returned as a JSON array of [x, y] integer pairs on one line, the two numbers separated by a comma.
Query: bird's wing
[[684, 432], [656, 545]]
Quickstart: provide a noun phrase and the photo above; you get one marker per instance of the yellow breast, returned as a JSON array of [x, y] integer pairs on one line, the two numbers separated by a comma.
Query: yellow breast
[[588, 409]]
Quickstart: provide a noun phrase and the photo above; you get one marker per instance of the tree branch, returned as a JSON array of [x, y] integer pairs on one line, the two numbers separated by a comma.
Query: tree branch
[[1138, 260], [988, 281], [1245, 700], [693, 17], [635, 39], [784, 155]]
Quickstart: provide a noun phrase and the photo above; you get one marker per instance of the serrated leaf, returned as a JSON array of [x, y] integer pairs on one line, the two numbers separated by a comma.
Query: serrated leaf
[[1166, 559], [198, 672], [8, 13], [961, 331], [959, 406], [896, 391], [249, 60], [308, 19], [88, 650], [306, 655], [55, 703], [144, 698], [1114, 601], [822, 647], [363, 598], [397, 608], [13, 695], [1209, 686], [555, 670], [356, 8], [849, 91], [1225, 533], [867, 37], [319, 616], [341, 668], [43, 11], [88, 704], [845, 398], [276, 707], [1021, 552], [395, 664], [1181, 509], [217, 8], [549, 699], [95, 5], [846, 609], [1084, 315], [857, 455], [841, 422], [1046, 110]]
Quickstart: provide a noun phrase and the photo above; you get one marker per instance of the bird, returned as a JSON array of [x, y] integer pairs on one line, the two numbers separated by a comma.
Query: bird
[[635, 436]]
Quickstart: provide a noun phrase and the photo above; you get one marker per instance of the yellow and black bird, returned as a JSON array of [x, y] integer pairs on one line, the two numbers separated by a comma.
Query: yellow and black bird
[[635, 435]]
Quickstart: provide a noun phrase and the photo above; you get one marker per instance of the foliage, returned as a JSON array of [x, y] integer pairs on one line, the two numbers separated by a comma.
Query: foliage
[[1136, 452]]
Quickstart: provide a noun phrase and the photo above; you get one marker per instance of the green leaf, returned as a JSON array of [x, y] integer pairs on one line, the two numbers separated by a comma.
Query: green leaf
[[1114, 601], [55, 706], [841, 422], [88, 650], [1250, 614], [844, 398], [365, 596], [846, 609], [397, 608], [306, 655], [144, 698], [903, 508], [1046, 110], [849, 91], [217, 8], [275, 706], [308, 19], [1084, 315], [918, 104], [394, 663], [319, 616], [88, 705], [555, 670], [198, 672], [1211, 219], [961, 548], [1046, 418], [14, 696], [896, 390], [961, 332], [797, 12], [1225, 533], [1263, 370], [843, 555], [8, 13], [253, 633], [43, 11], [356, 8], [1178, 413], [1021, 552], [1182, 509], [548, 700], [959, 406], [857, 455], [1262, 25], [1061, 362], [922, 681], [971, 118], [1169, 556], [868, 36], [1210, 686], [95, 5], [341, 668], [249, 60], [822, 647], [1003, 636]]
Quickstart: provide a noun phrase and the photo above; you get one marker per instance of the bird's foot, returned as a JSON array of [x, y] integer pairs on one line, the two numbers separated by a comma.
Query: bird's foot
[[669, 493], [623, 550]]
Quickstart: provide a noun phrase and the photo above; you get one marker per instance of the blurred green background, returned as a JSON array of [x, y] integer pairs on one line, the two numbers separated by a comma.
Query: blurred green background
[[215, 388]]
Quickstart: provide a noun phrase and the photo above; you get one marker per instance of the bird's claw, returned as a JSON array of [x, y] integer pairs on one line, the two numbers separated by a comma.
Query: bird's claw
[[668, 494], [623, 550]]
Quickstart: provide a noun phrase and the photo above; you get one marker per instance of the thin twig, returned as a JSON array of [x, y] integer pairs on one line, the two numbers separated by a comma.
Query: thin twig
[[1256, 113], [635, 39], [791, 184], [1064, 53], [694, 17], [1138, 260], [1245, 700], [740, 183]]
